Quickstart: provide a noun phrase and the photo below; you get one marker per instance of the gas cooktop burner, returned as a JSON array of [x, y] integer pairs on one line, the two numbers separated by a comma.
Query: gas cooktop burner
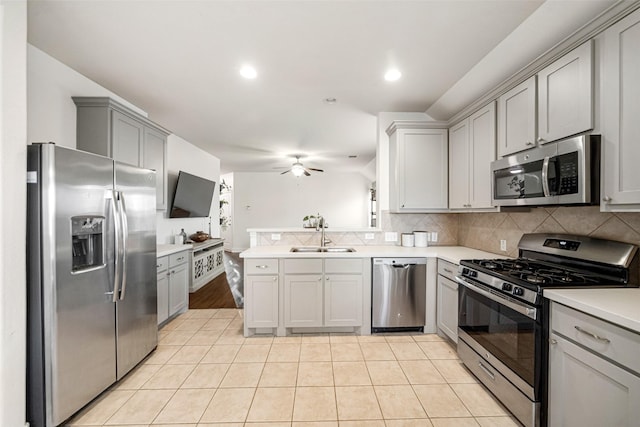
[[535, 273]]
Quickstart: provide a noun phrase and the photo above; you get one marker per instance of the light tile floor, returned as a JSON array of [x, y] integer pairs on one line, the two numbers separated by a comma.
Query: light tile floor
[[204, 373]]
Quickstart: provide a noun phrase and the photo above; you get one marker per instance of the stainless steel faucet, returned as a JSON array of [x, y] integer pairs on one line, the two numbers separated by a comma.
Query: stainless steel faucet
[[323, 239]]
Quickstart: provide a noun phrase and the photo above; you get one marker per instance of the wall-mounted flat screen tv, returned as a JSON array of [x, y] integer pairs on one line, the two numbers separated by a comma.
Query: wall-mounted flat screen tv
[[193, 196]]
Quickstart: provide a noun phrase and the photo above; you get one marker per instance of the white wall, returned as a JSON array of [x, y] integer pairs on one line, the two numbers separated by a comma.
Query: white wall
[[274, 200], [51, 84], [13, 187], [382, 154], [52, 117], [189, 158]]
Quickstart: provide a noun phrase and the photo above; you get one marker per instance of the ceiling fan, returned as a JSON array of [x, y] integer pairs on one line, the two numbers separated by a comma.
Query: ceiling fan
[[298, 169]]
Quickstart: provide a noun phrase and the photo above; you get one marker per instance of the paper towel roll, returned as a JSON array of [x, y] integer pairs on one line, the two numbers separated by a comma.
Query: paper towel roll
[[421, 238]]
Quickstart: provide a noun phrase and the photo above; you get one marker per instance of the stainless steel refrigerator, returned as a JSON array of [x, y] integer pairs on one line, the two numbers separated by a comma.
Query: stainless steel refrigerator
[[92, 311]]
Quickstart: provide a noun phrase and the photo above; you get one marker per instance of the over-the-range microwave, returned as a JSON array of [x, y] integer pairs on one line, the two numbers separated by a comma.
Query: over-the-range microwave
[[566, 172]]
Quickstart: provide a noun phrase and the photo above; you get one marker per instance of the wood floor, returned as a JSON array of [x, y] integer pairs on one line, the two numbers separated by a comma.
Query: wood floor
[[215, 294]]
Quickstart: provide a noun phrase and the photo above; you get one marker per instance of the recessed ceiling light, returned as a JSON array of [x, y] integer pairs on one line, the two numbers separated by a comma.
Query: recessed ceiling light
[[330, 100], [392, 75], [248, 72]]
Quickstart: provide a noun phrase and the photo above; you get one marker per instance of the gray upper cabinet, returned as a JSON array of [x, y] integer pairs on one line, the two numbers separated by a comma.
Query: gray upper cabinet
[[108, 128], [565, 95]]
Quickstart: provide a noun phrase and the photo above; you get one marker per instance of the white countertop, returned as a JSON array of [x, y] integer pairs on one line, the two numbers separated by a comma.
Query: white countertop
[[450, 253], [620, 305], [164, 250]]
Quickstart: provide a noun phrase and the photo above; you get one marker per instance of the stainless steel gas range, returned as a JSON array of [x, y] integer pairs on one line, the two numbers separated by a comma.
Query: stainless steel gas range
[[503, 320]]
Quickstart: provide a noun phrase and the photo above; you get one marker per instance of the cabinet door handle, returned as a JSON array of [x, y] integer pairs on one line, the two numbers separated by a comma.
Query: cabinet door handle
[[180, 259], [529, 143], [541, 140], [553, 341], [591, 334], [275, 278], [448, 271], [606, 199], [262, 266], [328, 278], [157, 265]]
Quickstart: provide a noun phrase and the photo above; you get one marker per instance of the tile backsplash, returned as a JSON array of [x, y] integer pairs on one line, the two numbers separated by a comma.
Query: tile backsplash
[[484, 230]]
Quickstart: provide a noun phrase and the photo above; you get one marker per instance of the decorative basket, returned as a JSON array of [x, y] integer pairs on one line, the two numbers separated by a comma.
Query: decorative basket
[[199, 236]]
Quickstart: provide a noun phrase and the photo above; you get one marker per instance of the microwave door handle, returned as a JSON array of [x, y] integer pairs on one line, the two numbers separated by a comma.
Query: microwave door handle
[[545, 177]]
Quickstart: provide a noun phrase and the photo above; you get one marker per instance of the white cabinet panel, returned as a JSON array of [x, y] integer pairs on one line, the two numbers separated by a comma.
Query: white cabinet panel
[[163, 296], [303, 300], [472, 148], [620, 115], [261, 301], [593, 371], [588, 391], [459, 166], [178, 288], [343, 300], [565, 98], [418, 168], [517, 118]]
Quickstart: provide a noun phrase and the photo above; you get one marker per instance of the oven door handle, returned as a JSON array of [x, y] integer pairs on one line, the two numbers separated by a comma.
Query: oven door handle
[[514, 305]]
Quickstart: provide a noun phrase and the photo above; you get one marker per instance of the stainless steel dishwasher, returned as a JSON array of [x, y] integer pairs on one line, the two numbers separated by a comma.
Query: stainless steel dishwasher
[[398, 297]]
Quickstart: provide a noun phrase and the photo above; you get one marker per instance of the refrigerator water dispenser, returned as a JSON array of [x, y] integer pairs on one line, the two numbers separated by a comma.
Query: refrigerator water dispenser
[[87, 242]]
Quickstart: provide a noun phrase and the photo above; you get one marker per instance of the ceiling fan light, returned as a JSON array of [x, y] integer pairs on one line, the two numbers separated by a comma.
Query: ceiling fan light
[[297, 169]]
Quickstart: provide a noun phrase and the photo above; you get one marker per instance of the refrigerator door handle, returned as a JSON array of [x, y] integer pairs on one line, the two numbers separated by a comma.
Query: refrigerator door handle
[[115, 208], [125, 233]]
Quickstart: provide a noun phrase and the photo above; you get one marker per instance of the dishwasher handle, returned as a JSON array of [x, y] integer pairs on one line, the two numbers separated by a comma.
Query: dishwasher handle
[[405, 266]]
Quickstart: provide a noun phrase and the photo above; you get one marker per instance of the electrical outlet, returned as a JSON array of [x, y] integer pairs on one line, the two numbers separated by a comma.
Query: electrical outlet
[[390, 236], [434, 236], [369, 236], [503, 245], [275, 236]]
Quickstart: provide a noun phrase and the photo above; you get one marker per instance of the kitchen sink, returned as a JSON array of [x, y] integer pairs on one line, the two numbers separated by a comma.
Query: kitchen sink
[[332, 249]]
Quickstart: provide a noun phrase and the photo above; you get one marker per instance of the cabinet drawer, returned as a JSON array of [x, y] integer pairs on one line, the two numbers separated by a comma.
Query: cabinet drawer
[[179, 258], [303, 266], [447, 269], [261, 266], [611, 341], [162, 263], [351, 265]]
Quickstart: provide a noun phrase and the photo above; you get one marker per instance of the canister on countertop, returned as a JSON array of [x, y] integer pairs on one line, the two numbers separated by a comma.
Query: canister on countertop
[[421, 239], [407, 239]]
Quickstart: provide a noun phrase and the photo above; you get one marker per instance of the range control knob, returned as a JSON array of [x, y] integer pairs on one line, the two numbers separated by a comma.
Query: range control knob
[[465, 271], [518, 291], [473, 273], [507, 287]]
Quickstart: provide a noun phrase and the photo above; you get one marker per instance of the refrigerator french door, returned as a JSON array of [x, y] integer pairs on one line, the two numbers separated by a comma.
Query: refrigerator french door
[[91, 277]]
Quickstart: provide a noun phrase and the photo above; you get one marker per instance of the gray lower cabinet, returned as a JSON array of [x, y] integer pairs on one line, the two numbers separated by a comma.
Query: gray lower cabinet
[[594, 370], [321, 292], [261, 284], [173, 285], [106, 127], [447, 300]]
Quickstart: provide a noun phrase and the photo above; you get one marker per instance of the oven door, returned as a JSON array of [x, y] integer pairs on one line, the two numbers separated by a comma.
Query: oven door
[[508, 329]]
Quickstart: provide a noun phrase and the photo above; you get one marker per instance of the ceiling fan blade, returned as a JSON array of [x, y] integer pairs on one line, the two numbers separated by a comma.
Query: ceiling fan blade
[[288, 170], [306, 172], [317, 170]]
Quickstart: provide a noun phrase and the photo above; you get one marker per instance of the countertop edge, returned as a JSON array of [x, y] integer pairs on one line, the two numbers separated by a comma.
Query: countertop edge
[[618, 306], [169, 249], [448, 253]]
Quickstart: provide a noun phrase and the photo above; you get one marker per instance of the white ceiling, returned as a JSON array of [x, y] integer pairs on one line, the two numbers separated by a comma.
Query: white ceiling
[[179, 61]]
